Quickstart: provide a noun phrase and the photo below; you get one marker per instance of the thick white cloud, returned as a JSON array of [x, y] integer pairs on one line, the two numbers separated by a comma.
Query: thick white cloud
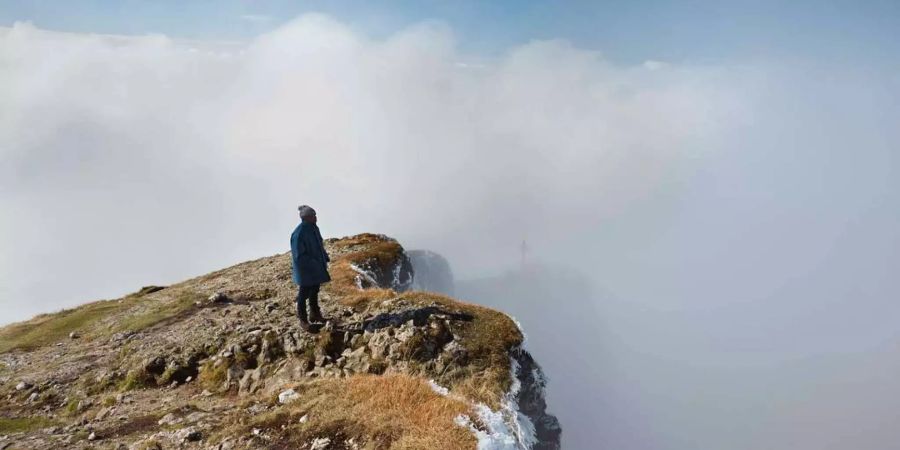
[[170, 158], [743, 216]]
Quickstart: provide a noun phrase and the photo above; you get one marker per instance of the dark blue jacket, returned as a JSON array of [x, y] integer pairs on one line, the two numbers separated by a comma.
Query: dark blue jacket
[[310, 261]]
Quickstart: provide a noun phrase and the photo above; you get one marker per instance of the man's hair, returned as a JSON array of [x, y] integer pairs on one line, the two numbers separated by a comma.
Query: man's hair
[[306, 211]]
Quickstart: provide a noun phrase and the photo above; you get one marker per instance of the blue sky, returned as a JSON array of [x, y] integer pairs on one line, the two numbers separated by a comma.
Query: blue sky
[[685, 31]]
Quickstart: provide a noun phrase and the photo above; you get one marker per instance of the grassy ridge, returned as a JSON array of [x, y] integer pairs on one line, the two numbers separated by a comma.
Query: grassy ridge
[[131, 313], [49, 328], [19, 424]]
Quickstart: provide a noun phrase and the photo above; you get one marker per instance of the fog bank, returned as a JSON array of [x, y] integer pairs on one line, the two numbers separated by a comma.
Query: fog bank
[[735, 225]]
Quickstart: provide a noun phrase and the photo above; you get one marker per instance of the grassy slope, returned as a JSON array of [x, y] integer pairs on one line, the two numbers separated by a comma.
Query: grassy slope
[[134, 312], [401, 410]]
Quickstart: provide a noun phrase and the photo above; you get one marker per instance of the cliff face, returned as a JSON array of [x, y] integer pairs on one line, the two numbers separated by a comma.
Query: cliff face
[[218, 362]]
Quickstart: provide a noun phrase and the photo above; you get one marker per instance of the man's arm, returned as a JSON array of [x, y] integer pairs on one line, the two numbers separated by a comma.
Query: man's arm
[[297, 247]]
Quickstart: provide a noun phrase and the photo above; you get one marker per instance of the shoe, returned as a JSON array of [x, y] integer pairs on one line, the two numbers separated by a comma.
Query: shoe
[[315, 315], [304, 325]]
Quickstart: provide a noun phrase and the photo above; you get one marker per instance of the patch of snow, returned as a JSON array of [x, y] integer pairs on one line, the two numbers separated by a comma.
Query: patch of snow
[[516, 385], [507, 428], [525, 430], [396, 282], [521, 330], [522, 425], [497, 436], [363, 274], [438, 388]]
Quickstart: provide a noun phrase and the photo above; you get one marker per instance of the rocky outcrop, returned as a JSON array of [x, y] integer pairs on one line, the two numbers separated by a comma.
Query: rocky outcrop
[[432, 272], [530, 401], [389, 270], [218, 362]]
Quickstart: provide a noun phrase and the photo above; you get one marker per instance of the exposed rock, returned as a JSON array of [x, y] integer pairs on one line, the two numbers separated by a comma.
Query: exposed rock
[[189, 434], [103, 413], [250, 382], [83, 405], [531, 402], [169, 419], [319, 443], [288, 396], [149, 290], [218, 297]]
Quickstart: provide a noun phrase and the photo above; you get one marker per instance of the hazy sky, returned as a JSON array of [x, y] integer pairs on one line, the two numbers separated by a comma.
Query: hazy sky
[[724, 174], [626, 31]]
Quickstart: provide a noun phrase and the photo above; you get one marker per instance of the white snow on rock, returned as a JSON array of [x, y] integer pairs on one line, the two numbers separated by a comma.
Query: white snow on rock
[[363, 274], [521, 330], [507, 428], [438, 388], [497, 436], [522, 425], [395, 283]]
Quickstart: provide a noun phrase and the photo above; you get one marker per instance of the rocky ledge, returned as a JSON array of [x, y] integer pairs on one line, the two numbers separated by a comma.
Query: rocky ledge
[[218, 362]]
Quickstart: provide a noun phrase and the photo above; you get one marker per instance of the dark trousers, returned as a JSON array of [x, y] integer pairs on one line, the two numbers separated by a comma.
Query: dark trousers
[[311, 294]]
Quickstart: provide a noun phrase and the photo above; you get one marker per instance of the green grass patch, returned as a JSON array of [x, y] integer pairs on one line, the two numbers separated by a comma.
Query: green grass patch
[[160, 311], [49, 328], [136, 379], [259, 294], [109, 401], [213, 376], [72, 406], [22, 424]]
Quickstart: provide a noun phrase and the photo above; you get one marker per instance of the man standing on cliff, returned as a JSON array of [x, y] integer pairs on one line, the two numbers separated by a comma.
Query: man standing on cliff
[[310, 266]]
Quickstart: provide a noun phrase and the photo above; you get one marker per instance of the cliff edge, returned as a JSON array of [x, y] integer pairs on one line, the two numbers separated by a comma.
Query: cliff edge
[[218, 362]]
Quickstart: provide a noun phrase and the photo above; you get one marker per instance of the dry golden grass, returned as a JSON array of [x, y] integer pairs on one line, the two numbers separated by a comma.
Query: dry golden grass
[[488, 337], [363, 250], [392, 412]]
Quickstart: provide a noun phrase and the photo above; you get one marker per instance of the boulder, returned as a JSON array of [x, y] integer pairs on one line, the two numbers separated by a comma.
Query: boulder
[[288, 396], [218, 297]]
